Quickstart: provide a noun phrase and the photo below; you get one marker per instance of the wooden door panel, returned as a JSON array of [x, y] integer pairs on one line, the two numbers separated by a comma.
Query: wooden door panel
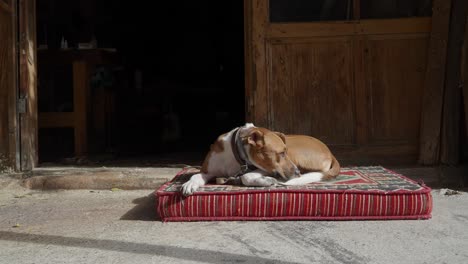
[[394, 71], [355, 84], [311, 88]]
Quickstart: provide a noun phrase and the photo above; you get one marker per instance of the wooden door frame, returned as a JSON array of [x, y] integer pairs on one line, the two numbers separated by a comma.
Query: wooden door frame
[[27, 128], [12, 122], [255, 59], [21, 146], [431, 116], [255, 33], [15, 151]]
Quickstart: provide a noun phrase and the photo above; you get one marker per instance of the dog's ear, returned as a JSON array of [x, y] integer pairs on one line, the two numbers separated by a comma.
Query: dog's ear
[[255, 138], [282, 136]]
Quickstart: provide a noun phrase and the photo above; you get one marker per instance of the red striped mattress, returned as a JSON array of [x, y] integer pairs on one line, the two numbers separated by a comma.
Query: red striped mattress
[[358, 193]]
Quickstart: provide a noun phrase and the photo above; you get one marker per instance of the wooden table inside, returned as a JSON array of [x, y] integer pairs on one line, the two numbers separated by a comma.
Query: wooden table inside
[[83, 63]]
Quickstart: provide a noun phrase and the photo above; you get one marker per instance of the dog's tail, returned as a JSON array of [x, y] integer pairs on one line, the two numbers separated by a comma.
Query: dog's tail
[[311, 177]]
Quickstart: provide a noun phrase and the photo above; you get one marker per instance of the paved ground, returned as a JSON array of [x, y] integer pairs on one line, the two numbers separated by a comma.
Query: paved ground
[[84, 226]]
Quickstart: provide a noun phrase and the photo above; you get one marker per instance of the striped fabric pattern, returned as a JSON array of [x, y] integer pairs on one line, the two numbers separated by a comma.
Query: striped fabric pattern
[[295, 205]]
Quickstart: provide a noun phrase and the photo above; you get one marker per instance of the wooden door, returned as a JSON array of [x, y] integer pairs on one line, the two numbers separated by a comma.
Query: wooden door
[[336, 71], [9, 146], [27, 84]]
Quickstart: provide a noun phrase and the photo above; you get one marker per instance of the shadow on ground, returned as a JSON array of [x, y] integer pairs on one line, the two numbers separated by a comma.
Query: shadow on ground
[[192, 254], [144, 210]]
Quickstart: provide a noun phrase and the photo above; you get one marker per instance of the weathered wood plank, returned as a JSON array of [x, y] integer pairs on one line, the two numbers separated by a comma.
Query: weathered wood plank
[[450, 139], [14, 139], [248, 61], [434, 84], [27, 84], [348, 28], [6, 68], [395, 81], [304, 84], [360, 50], [394, 26], [356, 9], [9, 146], [259, 77]]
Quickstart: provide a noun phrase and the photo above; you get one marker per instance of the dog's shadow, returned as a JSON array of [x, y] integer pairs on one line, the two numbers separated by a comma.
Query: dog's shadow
[[144, 210]]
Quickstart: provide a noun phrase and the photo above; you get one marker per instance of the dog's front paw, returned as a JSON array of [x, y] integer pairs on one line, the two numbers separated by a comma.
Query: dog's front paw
[[189, 188], [269, 181]]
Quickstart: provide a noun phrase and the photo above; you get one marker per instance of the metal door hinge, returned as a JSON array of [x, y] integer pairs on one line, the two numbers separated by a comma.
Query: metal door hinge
[[22, 105]]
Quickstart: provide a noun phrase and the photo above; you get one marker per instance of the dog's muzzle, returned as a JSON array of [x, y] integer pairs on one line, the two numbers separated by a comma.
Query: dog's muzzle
[[297, 173]]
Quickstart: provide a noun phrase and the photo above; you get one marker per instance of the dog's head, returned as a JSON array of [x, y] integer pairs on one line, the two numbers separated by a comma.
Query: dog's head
[[267, 150]]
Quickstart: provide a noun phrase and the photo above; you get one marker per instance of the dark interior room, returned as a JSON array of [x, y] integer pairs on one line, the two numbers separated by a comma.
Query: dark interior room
[[165, 78]]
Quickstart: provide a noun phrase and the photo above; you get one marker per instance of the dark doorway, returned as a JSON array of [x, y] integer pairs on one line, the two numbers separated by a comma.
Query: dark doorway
[[174, 83]]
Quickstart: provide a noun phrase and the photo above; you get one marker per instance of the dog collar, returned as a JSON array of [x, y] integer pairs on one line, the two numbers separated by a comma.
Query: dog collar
[[239, 153]]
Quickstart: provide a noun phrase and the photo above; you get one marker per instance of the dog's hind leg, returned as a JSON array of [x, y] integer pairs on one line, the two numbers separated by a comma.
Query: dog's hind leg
[[195, 182]]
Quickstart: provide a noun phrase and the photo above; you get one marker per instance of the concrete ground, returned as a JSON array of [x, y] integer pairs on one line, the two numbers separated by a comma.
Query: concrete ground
[[120, 226]]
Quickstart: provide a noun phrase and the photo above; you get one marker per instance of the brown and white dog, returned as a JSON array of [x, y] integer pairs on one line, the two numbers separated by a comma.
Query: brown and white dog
[[295, 159]]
